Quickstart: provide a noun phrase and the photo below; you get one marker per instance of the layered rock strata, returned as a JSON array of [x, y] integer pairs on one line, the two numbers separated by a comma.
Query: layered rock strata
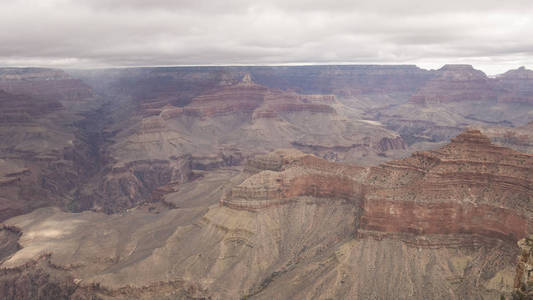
[[454, 83], [470, 186]]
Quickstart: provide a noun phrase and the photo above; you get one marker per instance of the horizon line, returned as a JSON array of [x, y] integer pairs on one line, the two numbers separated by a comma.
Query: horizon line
[[254, 65]]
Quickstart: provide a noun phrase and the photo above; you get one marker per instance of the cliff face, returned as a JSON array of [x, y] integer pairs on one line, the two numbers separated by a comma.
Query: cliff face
[[44, 154], [459, 83], [519, 138], [293, 225], [518, 85], [470, 186], [253, 118], [147, 158], [454, 83], [249, 97]]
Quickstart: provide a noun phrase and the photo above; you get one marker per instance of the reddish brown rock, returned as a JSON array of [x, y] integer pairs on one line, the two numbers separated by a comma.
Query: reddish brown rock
[[442, 218], [245, 97], [469, 186]]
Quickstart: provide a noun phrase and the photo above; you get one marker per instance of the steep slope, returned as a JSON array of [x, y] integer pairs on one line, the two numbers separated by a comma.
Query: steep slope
[[519, 138], [163, 143], [254, 118], [470, 186], [201, 118], [454, 83], [297, 226], [45, 151], [518, 85]]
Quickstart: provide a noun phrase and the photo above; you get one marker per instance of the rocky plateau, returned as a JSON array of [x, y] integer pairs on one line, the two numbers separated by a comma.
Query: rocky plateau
[[309, 182]]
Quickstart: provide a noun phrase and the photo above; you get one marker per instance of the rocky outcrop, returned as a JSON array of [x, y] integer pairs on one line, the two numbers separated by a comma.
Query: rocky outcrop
[[523, 288], [462, 83], [455, 83], [437, 224], [442, 218], [246, 97], [386, 144], [287, 176], [469, 186], [518, 86], [300, 226], [470, 179], [132, 183]]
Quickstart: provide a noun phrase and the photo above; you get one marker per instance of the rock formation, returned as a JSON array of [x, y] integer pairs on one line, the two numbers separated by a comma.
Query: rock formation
[[293, 225], [179, 192], [524, 270], [469, 186], [518, 86], [44, 154], [454, 83]]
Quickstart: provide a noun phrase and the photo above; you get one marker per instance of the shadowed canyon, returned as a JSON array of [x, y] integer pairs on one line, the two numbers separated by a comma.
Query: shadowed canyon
[[285, 182]]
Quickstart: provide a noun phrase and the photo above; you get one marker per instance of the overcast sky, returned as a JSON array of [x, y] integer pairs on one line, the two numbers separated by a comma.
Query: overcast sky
[[493, 35]]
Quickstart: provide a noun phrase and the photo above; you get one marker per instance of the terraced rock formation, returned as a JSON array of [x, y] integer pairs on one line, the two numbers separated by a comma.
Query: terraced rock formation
[[179, 192], [293, 225]]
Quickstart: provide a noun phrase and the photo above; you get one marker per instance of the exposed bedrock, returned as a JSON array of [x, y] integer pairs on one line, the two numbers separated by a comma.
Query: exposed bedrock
[[301, 227], [518, 86], [443, 218], [454, 83], [245, 96], [469, 186], [129, 184], [46, 149]]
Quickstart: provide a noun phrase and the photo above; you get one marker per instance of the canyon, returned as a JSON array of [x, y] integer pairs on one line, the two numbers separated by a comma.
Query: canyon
[[329, 182]]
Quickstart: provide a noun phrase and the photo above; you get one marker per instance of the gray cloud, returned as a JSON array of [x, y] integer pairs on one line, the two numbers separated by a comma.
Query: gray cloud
[[490, 34]]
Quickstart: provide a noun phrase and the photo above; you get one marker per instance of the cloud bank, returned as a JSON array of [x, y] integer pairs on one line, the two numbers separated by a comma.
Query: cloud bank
[[491, 35]]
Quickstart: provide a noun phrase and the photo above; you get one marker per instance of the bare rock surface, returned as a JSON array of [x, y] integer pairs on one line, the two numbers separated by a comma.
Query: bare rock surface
[[296, 226], [263, 182]]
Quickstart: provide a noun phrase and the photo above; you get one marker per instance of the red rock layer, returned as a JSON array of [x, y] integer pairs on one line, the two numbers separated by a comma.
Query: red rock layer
[[244, 97], [469, 186], [442, 218]]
